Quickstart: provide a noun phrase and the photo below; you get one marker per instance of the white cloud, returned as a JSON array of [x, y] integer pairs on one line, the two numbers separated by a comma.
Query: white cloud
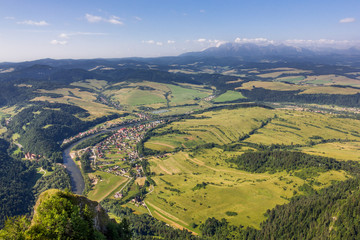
[[347, 20], [322, 43], [92, 18], [57, 42], [34, 23], [201, 40], [95, 19], [216, 43], [202, 11], [170, 41], [209, 42], [114, 20], [64, 35], [69, 35], [254, 40], [137, 18], [9, 18], [152, 42]]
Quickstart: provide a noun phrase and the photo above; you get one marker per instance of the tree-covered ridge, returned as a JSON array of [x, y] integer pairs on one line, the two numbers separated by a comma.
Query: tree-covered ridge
[[44, 125], [277, 160], [62, 215], [16, 179]]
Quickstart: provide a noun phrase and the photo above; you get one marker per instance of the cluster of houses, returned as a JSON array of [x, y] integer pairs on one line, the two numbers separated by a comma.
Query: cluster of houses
[[117, 170], [123, 144], [124, 141], [118, 195], [32, 156], [209, 98], [137, 201]]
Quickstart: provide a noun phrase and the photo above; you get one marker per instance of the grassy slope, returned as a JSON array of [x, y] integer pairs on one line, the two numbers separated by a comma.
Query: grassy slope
[[298, 127], [229, 96], [108, 183], [249, 195], [219, 127], [79, 98]]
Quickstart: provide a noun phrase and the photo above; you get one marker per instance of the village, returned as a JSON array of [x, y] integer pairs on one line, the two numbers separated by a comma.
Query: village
[[120, 147], [118, 154]]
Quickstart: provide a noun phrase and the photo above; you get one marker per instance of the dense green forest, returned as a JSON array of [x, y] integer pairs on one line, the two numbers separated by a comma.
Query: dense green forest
[[16, 180], [44, 125], [20, 184]]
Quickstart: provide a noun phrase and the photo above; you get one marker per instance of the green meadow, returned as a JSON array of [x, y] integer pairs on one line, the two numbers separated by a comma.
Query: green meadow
[[192, 186], [219, 127], [298, 127], [229, 96], [106, 183]]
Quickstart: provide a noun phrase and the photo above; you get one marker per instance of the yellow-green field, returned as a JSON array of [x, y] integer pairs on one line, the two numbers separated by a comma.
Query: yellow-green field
[[106, 184], [77, 97], [218, 127], [278, 86], [340, 151], [297, 127], [304, 89], [94, 84], [175, 200], [229, 96], [276, 74], [157, 95]]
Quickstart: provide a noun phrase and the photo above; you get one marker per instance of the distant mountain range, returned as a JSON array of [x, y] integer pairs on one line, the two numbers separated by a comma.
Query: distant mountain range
[[254, 52], [225, 54]]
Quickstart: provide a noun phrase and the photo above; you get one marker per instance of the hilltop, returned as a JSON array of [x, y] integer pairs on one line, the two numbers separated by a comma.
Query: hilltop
[[62, 215]]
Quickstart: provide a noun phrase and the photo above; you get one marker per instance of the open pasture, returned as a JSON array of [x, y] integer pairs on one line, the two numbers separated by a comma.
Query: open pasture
[[93, 84], [303, 89], [278, 73], [277, 86], [331, 79], [157, 95], [181, 95], [135, 96], [193, 186], [77, 97], [339, 150], [292, 79], [220, 127], [298, 127], [106, 184], [229, 96]]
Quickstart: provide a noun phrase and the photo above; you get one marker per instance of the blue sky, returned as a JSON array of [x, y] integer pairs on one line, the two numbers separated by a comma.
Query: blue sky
[[149, 28]]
